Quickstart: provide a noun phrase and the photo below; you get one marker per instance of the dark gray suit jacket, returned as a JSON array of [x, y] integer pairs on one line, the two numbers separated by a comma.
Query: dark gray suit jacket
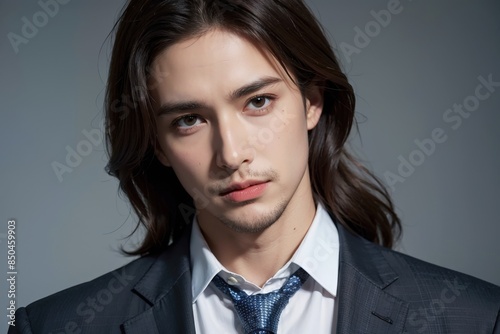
[[379, 291]]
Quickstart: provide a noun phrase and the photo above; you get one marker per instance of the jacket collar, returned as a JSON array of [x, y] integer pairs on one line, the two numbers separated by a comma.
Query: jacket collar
[[364, 274], [363, 305], [166, 286]]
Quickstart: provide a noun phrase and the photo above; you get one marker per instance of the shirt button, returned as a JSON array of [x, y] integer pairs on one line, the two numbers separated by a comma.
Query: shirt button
[[232, 280]]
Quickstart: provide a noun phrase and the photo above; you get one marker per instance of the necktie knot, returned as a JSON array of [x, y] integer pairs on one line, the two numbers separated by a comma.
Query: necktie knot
[[260, 313]]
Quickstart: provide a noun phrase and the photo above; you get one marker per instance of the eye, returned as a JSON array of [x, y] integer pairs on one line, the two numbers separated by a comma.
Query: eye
[[259, 102], [187, 121]]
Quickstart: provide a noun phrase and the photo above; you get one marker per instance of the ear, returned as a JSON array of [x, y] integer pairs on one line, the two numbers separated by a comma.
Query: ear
[[314, 105], [160, 155]]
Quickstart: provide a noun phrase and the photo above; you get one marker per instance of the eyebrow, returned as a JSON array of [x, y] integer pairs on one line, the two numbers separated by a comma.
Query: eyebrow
[[252, 87]]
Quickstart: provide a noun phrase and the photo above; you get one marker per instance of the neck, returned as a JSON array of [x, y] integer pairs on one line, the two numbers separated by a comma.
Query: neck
[[258, 256]]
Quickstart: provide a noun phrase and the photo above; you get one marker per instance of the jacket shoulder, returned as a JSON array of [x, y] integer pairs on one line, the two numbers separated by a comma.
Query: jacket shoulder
[[435, 293], [421, 273], [86, 306]]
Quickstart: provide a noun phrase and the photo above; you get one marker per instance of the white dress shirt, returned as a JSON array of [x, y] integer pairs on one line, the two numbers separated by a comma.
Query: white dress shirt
[[310, 310]]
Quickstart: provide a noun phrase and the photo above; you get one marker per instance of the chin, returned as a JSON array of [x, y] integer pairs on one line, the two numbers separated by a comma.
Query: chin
[[253, 217]]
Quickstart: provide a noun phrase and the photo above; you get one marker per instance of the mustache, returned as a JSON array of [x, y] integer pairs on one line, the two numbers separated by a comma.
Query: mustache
[[219, 186]]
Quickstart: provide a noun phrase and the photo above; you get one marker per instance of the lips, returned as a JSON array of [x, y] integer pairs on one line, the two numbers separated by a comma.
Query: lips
[[245, 191]]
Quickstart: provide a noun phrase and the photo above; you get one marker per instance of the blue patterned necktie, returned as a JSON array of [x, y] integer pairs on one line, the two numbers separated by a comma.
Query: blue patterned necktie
[[260, 313]]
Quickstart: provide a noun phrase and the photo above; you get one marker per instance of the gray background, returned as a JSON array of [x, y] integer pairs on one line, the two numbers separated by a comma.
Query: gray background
[[425, 60]]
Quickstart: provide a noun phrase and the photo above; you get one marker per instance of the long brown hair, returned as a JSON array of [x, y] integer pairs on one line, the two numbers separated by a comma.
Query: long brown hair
[[288, 30]]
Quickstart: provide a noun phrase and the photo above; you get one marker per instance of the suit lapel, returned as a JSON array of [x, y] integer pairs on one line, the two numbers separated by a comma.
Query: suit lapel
[[166, 286], [364, 306]]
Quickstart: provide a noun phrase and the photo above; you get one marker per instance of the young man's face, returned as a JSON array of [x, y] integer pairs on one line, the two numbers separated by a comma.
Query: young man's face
[[233, 127]]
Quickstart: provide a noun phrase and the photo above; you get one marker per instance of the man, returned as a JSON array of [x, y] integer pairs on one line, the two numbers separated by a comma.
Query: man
[[258, 219]]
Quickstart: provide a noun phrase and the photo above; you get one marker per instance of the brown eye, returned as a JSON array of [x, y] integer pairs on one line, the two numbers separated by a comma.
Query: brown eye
[[187, 121], [190, 120], [259, 102]]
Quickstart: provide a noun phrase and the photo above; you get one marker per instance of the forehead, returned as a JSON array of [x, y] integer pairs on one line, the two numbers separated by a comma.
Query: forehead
[[216, 59]]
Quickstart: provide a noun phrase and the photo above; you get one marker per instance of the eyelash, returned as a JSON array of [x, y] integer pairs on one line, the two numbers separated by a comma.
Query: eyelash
[[262, 110], [175, 123], [188, 129]]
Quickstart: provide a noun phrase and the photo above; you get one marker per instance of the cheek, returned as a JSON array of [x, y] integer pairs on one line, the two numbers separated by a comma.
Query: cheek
[[290, 144], [294, 133], [188, 164]]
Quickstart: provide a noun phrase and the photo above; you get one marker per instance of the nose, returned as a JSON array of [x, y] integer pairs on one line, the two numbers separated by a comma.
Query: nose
[[232, 149]]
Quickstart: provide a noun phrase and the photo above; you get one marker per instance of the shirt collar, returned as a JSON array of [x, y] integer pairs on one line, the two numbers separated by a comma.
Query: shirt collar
[[203, 262], [318, 254]]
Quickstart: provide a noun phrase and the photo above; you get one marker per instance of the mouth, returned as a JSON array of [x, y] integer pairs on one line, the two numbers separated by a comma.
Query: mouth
[[245, 191]]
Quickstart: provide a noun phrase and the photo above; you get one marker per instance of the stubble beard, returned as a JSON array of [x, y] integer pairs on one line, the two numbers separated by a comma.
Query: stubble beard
[[258, 224], [255, 224]]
